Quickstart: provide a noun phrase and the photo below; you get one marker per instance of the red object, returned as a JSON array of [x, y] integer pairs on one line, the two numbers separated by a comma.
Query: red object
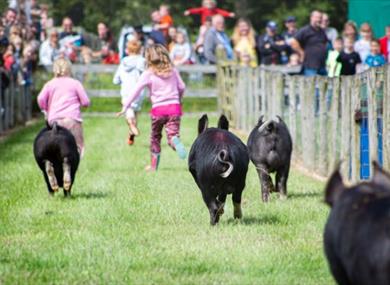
[[112, 58], [206, 12], [384, 47], [8, 62], [167, 19]]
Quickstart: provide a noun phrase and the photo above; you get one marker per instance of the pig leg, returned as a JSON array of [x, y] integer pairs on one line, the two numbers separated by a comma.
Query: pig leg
[[51, 192], [237, 204], [266, 183], [281, 182], [51, 176], [221, 199], [212, 205], [67, 178]]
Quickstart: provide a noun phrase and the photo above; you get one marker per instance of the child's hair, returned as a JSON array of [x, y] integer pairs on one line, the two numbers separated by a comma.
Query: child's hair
[[157, 58], [374, 41], [62, 67], [133, 47]]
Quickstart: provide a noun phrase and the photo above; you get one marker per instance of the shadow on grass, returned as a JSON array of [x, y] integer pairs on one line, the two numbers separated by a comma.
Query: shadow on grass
[[89, 195], [261, 220], [304, 195]]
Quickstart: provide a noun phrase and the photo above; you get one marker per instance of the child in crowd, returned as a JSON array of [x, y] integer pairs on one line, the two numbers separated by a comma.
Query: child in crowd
[[166, 20], [171, 40], [375, 58], [332, 65], [61, 99], [208, 9], [166, 91], [181, 50], [294, 60], [8, 57], [348, 58], [127, 75]]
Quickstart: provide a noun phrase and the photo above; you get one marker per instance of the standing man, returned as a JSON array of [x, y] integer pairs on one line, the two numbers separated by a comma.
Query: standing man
[[271, 47], [311, 44], [216, 37]]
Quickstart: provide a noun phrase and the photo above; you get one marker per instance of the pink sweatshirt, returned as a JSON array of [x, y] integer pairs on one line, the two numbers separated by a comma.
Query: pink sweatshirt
[[62, 97], [165, 92]]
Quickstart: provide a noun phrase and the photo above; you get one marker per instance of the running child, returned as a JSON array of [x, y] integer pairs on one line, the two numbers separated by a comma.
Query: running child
[[127, 75], [61, 99], [166, 89]]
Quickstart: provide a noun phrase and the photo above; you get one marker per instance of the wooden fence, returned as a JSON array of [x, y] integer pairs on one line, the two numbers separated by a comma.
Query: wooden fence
[[330, 119], [98, 79], [15, 103]]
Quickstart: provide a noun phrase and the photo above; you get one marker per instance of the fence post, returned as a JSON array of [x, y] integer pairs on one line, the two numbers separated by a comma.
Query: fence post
[[355, 133], [308, 117], [345, 125], [291, 81], [386, 118], [323, 138], [372, 117], [334, 114], [2, 107]]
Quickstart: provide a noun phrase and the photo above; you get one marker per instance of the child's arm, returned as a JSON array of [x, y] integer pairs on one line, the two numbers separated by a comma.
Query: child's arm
[[141, 84], [117, 78], [83, 97], [43, 98], [194, 11], [225, 13], [181, 86]]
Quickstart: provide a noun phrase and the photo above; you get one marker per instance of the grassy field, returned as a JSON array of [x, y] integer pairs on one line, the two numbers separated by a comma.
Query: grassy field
[[123, 226]]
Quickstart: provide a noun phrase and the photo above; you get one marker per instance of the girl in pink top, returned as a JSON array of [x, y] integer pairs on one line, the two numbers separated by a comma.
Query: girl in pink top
[[166, 90], [61, 99]]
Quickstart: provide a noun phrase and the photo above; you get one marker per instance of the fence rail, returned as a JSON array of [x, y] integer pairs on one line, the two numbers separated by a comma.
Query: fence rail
[[195, 75], [15, 102], [330, 119]]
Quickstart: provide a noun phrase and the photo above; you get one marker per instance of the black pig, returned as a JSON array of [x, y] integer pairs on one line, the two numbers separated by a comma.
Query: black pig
[[218, 161], [55, 151], [357, 234], [270, 147]]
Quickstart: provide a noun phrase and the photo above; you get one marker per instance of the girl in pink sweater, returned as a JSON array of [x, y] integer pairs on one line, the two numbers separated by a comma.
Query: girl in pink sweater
[[166, 90], [61, 99]]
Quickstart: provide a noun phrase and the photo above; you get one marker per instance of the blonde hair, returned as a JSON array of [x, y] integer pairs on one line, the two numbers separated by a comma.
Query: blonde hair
[[133, 47], [251, 34], [62, 67], [157, 59]]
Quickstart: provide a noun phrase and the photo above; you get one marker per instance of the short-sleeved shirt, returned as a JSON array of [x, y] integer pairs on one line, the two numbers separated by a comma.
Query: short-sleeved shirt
[[348, 62], [314, 43], [375, 60]]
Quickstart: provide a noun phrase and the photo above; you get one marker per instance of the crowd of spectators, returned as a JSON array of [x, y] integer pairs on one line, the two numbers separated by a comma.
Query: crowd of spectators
[[28, 38]]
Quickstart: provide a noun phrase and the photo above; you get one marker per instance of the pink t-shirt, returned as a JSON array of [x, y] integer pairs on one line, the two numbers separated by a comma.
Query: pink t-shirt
[[62, 97], [165, 92]]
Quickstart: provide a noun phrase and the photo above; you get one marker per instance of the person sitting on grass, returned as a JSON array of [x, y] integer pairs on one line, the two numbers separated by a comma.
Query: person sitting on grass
[[375, 58], [61, 99], [127, 75], [166, 89]]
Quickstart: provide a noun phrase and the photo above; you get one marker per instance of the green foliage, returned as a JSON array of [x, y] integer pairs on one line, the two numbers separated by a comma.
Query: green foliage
[[120, 12], [124, 226]]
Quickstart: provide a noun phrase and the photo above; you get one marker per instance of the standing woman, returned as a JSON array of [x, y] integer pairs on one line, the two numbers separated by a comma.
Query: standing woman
[[362, 46], [244, 43]]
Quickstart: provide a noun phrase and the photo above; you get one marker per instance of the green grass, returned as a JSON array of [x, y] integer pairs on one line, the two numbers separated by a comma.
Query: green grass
[[123, 226]]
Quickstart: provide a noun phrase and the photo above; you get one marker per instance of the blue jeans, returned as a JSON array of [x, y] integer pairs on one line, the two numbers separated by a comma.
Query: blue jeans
[[314, 72]]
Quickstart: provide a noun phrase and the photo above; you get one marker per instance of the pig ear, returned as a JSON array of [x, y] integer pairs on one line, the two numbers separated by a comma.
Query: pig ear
[[260, 121], [334, 187], [203, 124], [380, 176], [223, 123]]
